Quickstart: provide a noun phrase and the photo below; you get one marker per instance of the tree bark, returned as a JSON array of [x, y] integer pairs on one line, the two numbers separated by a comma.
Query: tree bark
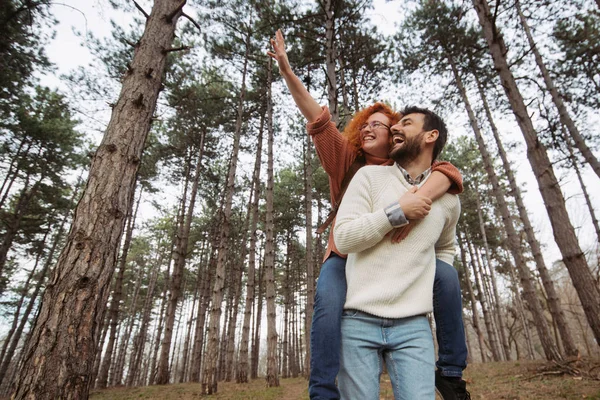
[[467, 280], [271, 378], [501, 325], [553, 298], [330, 60], [179, 259], [59, 359], [564, 233], [310, 262], [243, 365], [209, 377], [514, 242]]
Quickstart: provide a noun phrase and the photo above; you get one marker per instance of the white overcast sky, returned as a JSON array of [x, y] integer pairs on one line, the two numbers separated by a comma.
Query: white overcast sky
[[67, 52]]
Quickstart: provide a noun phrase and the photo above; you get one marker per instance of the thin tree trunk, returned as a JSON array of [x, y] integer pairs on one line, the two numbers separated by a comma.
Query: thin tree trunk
[[564, 233], [271, 378], [467, 280], [553, 298], [209, 377], [501, 325], [243, 365], [140, 340], [163, 306], [257, 325], [113, 312], [565, 117], [484, 304], [179, 259], [59, 359], [330, 61], [310, 262]]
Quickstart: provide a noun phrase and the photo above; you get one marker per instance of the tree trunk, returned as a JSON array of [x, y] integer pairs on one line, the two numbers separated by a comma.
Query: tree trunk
[[310, 270], [330, 61], [243, 366], [483, 302], [59, 359], [501, 325], [467, 280], [564, 233], [257, 325], [179, 258], [209, 377], [553, 298], [113, 312], [514, 242], [565, 117], [271, 378]]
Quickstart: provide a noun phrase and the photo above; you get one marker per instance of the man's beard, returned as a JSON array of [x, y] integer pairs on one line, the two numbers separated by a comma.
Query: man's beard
[[409, 151]]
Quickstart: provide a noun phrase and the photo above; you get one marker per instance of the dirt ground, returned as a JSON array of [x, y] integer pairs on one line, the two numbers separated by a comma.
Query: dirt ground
[[515, 380]]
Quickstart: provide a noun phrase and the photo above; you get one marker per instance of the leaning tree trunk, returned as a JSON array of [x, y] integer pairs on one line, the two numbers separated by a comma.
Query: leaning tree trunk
[[514, 241], [243, 365], [564, 233], [209, 377], [59, 359], [272, 378], [553, 298], [565, 117]]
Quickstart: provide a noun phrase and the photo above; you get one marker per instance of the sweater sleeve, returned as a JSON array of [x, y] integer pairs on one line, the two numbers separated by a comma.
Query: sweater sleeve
[[452, 173], [445, 246], [334, 151], [359, 227]]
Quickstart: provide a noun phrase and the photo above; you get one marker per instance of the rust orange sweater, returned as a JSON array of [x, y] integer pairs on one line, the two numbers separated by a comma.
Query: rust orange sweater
[[337, 155]]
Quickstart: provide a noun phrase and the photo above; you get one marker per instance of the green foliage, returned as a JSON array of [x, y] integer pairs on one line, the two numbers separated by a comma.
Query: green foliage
[[21, 49], [578, 38]]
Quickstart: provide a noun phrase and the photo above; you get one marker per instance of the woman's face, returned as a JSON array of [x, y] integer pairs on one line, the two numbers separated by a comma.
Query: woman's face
[[375, 135]]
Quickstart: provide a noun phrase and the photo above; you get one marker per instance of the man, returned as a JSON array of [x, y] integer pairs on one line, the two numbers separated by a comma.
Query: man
[[390, 285]]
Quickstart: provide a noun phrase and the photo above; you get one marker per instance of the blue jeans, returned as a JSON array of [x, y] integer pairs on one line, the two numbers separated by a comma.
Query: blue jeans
[[325, 334], [406, 346], [447, 311]]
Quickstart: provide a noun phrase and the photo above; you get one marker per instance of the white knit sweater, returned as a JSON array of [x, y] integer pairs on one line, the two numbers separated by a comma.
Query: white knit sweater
[[385, 279]]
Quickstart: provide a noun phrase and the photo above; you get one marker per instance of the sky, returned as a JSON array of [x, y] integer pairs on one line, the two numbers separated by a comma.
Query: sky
[[67, 51]]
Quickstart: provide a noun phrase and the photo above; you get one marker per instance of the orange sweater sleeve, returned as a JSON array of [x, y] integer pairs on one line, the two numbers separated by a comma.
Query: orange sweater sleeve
[[334, 151], [452, 173]]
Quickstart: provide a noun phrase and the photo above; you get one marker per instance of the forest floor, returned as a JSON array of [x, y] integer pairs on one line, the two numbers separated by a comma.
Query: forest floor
[[513, 380]]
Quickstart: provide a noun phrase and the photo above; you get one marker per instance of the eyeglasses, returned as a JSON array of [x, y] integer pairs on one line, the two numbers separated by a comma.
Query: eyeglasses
[[373, 125]]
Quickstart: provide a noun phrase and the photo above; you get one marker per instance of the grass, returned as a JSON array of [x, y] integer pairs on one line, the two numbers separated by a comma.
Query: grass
[[513, 380]]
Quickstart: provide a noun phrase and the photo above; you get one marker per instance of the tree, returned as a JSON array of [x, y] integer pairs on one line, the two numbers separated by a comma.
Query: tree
[[564, 233], [59, 358]]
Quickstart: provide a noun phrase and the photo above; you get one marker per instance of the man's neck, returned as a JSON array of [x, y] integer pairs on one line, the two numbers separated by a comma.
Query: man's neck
[[417, 166]]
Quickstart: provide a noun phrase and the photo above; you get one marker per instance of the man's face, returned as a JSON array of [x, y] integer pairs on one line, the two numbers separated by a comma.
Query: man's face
[[408, 138]]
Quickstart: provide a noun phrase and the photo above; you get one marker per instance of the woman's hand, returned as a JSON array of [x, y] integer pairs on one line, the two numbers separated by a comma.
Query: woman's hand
[[279, 53]]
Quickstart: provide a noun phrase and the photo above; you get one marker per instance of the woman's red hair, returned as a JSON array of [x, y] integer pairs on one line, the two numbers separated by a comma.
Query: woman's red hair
[[352, 129]]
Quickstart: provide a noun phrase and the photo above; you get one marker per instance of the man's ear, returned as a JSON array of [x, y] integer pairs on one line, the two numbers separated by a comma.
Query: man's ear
[[432, 136]]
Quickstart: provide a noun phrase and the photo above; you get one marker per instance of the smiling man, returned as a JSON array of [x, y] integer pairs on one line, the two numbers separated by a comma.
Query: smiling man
[[390, 286]]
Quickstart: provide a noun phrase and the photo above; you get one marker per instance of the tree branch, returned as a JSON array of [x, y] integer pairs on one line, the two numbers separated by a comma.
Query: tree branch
[[170, 17], [141, 9], [192, 21], [165, 51]]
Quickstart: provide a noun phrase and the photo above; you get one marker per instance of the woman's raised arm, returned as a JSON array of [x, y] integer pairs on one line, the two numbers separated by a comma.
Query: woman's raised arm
[[307, 105]]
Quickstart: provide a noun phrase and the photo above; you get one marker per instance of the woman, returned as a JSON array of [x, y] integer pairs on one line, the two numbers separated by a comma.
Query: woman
[[366, 138]]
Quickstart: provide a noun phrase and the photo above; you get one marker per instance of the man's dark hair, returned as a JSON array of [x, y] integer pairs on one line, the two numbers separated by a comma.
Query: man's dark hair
[[432, 121]]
